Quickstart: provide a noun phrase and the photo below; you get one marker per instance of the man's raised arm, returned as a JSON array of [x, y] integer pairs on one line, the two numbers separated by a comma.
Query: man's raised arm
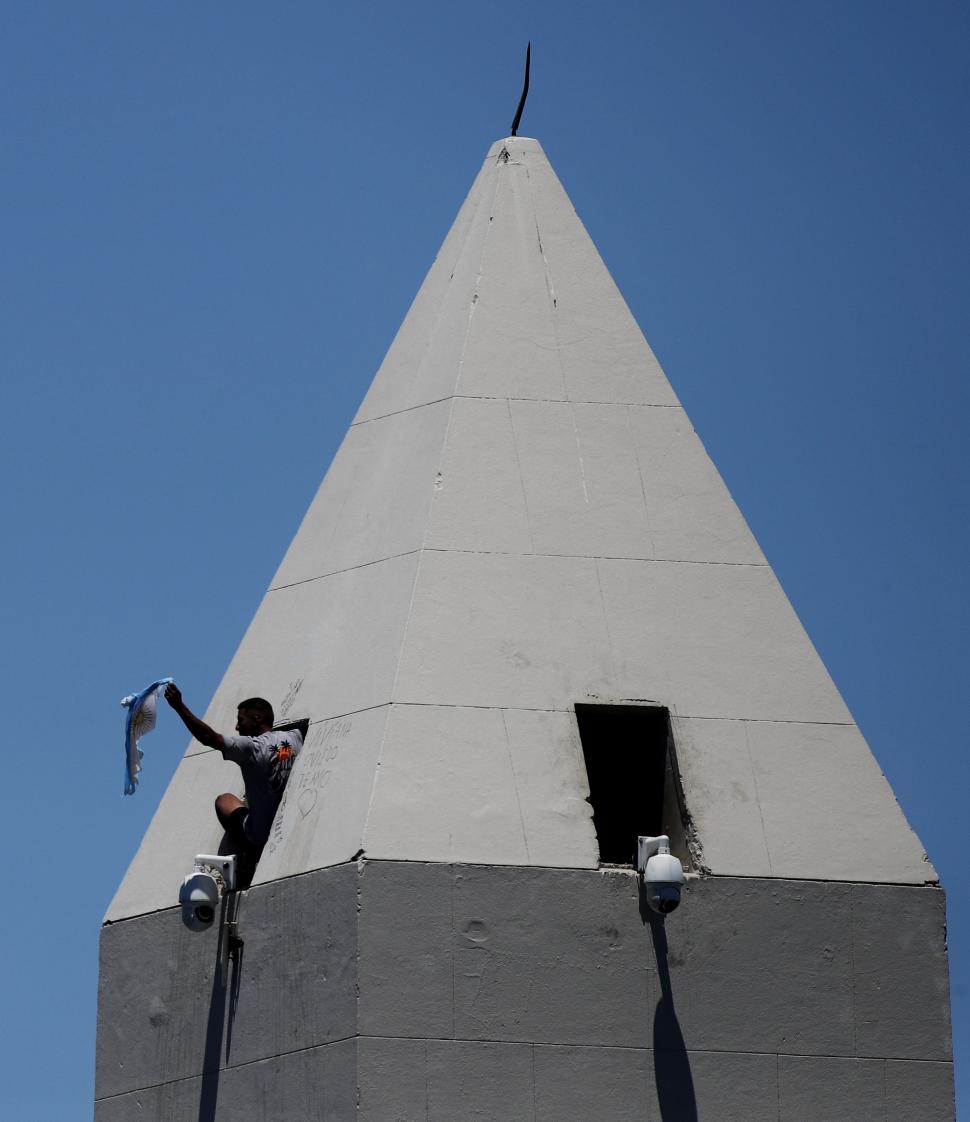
[[198, 728]]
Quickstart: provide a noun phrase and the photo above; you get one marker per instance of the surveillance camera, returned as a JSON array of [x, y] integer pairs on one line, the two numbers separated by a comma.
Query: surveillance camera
[[663, 874], [199, 897], [202, 890]]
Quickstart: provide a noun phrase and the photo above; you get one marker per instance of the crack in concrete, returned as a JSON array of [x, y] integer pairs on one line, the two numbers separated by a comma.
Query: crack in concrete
[[338, 572], [515, 785], [757, 795]]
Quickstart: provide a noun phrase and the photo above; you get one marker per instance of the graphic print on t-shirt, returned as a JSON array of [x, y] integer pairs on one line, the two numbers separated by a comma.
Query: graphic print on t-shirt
[[280, 766]]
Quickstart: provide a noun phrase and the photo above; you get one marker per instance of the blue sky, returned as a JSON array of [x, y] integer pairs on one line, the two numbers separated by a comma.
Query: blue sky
[[214, 219]]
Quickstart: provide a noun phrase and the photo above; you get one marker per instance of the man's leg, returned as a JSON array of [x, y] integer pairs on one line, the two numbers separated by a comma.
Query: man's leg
[[231, 812], [227, 811]]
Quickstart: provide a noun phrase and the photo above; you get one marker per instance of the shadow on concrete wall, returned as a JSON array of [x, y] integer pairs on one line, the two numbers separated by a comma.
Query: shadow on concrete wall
[[671, 1064], [225, 990]]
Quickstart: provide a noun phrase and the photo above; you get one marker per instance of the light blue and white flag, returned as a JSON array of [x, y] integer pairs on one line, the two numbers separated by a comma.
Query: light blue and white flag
[[140, 720]]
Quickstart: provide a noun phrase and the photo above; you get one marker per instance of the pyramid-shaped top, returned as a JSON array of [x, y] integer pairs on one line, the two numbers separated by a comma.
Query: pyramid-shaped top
[[521, 519]]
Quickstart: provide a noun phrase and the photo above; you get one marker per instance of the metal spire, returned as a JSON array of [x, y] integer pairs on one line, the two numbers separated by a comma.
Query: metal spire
[[525, 92]]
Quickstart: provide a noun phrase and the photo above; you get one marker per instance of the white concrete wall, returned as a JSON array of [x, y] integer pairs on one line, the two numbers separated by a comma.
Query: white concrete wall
[[522, 518]]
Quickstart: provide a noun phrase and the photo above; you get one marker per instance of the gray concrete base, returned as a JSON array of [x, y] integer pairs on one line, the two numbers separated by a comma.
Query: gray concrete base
[[391, 991]]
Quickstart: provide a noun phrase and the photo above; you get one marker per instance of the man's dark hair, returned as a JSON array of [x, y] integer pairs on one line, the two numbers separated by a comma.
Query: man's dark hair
[[261, 707]]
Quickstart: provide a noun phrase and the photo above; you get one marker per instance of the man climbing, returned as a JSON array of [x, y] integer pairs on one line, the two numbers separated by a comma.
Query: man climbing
[[265, 758]]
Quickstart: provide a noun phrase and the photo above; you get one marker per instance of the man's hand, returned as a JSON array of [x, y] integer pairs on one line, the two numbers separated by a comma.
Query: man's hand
[[199, 729]]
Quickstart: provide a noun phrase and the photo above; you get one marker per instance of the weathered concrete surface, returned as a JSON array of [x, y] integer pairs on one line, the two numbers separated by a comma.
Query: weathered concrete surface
[[530, 632], [439, 1081], [910, 1086], [739, 774], [332, 644], [891, 974], [531, 809], [565, 957], [322, 818], [545, 995], [399, 990], [165, 1015], [389, 466], [316, 1085], [522, 518], [829, 1087]]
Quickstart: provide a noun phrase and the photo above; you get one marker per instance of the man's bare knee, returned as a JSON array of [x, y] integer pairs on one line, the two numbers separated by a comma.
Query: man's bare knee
[[226, 805]]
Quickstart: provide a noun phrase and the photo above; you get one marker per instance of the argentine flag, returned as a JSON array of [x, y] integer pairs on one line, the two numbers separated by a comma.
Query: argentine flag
[[140, 720]]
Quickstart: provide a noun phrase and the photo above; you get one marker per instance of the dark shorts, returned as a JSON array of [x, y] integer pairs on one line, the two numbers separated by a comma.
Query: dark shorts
[[236, 833]]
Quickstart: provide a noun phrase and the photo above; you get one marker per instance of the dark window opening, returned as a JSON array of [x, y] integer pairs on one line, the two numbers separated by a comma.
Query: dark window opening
[[634, 785]]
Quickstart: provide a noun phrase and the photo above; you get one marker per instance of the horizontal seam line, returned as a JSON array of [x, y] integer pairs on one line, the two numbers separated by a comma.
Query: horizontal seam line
[[764, 720], [231, 1067], [638, 1048], [497, 708], [261, 884], [645, 702], [507, 397], [510, 553], [525, 1044], [599, 557], [519, 708], [819, 880], [599, 867], [630, 871]]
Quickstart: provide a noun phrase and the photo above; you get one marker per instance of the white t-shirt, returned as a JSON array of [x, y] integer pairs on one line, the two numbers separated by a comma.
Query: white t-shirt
[[265, 761]]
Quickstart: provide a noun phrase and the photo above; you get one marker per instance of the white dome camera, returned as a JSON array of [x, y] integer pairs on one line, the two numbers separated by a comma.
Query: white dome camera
[[202, 890], [663, 874]]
